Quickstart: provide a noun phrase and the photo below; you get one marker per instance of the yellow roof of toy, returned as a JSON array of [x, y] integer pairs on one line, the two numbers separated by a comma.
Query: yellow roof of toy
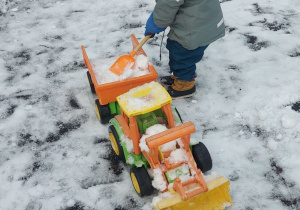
[[144, 99]]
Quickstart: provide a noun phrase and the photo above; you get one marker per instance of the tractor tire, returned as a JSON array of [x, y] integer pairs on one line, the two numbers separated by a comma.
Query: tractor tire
[[141, 181], [90, 82], [103, 112], [202, 157], [116, 143]]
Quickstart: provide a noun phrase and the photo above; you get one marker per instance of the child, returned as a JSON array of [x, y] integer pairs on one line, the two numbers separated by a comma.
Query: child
[[194, 24]]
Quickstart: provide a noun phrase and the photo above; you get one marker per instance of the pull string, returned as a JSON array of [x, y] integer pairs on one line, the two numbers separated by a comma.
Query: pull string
[[161, 45]]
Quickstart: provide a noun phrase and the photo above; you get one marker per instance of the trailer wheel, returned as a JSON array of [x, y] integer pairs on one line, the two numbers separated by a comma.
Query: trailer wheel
[[115, 142], [202, 157], [141, 181], [103, 112], [90, 82]]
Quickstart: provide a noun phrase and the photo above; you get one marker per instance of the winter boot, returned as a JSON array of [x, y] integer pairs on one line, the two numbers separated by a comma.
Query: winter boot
[[182, 89], [167, 80]]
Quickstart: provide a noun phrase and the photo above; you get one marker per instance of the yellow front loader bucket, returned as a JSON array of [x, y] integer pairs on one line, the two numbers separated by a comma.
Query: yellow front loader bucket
[[216, 198]]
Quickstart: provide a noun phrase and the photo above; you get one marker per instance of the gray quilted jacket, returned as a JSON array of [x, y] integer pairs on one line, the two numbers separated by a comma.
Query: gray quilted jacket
[[193, 23]]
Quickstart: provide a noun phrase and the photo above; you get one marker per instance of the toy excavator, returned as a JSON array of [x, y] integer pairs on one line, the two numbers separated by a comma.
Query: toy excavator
[[132, 107]]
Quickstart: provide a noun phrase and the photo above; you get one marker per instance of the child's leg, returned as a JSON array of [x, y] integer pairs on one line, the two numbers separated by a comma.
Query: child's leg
[[182, 62]]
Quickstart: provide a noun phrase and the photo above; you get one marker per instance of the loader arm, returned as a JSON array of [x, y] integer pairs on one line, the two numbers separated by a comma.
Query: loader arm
[[153, 142], [195, 192], [183, 130]]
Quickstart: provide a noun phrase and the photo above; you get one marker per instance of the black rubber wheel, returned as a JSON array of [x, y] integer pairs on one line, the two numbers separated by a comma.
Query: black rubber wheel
[[90, 82], [115, 143], [202, 157], [103, 112], [141, 181]]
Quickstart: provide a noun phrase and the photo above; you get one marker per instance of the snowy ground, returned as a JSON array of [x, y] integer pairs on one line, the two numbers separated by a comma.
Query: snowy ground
[[54, 154]]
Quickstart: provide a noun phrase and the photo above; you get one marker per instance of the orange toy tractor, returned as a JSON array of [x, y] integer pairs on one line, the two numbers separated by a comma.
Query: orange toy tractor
[[177, 167]]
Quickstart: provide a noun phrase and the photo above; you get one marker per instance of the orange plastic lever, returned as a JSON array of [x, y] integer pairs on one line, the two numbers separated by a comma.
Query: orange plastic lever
[[170, 135]]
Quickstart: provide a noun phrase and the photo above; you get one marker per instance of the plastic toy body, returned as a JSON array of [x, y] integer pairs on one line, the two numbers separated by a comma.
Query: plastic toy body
[[183, 177], [108, 92], [157, 161], [133, 107]]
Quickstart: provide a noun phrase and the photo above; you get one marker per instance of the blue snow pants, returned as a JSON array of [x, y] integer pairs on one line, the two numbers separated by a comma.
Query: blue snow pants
[[182, 62]]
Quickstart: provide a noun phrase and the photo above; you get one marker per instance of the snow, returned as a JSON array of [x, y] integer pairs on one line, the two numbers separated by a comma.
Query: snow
[[152, 130], [71, 203], [158, 181], [177, 156], [272, 145], [213, 175], [104, 75], [128, 142], [170, 146], [288, 121], [130, 160], [141, 63], [56, 155], [194, 141]]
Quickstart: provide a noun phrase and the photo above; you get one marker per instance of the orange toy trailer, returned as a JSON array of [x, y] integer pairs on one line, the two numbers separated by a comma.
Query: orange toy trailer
[[105, 104], [176, 168]]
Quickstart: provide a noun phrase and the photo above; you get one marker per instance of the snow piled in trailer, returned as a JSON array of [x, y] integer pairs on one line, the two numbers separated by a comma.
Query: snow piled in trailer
[[104, 75]]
